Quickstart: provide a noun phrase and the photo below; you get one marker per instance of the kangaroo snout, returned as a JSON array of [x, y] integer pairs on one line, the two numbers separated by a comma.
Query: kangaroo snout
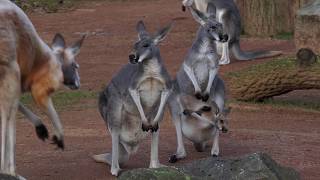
[[224, 37], [133, 59], [224, 130]]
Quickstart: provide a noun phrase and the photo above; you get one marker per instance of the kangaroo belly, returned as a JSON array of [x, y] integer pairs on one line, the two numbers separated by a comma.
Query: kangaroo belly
[[197, 131], [150, 92], [131, 131], [202, 74]]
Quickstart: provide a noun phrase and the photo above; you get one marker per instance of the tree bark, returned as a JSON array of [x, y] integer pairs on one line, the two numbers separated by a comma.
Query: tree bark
[[271, 79], [268, 17]]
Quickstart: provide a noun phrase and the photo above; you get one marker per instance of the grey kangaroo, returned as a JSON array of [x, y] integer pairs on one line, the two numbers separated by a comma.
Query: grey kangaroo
[[28, 64], [198, 77], [133, 102], [228, 15]]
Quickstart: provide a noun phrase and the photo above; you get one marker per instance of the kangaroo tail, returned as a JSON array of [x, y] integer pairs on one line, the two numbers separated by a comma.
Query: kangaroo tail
[[242, 55], [103, 101]]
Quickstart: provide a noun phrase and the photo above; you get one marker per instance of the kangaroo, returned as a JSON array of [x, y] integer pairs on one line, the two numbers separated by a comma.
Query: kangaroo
[[228, 15], [28, 64], [198, 121], [198, 75], [133, 102]]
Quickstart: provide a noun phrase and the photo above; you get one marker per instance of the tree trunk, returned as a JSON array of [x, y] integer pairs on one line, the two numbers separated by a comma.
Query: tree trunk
[[271, 79], [268, 17]]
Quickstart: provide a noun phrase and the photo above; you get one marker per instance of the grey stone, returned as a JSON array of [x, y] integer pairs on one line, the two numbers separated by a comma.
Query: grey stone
[[255, 166], [7, 177]]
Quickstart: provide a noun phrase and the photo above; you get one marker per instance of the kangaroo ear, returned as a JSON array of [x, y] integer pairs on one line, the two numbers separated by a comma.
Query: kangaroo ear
[[211, 10], [198, 16], [58, 42], [75, 48], [141, 29], [162, 33]]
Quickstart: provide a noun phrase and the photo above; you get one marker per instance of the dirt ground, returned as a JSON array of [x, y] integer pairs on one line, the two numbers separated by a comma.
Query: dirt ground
[[290, 136]]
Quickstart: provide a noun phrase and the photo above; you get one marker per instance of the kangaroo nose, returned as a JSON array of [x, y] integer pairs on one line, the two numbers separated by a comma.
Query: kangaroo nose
[[224, 38], [132, 59], [224, 130]]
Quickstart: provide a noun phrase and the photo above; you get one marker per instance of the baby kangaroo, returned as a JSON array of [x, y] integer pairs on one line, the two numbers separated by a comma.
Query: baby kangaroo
[[133, 103], [199, 122], [198, 77]]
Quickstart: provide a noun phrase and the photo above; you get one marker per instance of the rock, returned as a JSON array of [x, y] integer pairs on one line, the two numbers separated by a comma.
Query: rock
[[255, 166], [7, 177], [307, 27], [166, 173]]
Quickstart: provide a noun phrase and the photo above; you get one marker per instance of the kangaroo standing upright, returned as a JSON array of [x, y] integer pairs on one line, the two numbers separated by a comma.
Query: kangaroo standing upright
[[28, 64], [228, 15], [198, 77], [133, 103]]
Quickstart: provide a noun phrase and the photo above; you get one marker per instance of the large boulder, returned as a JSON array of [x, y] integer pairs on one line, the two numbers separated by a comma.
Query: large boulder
[[307, 27], [7, 177], [255, 166]]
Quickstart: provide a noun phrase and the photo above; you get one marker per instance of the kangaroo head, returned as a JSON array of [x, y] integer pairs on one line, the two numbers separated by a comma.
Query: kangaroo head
[[67, 57], [222, 120], [209, 23], [146, 46]]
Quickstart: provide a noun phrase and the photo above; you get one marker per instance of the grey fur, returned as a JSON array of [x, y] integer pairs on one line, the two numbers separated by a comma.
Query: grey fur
[[228, 14], [134, 100], [198, 86]]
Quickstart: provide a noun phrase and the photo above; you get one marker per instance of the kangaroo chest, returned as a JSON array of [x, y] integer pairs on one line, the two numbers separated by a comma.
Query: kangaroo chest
[[150, 85]]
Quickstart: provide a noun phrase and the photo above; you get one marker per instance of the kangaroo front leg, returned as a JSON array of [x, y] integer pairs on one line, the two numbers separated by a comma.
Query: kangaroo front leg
[[44, 101], [215, 146], [193, 79], [41, 129], [212, 74], [164, 97], [136, 98], [197, 116]]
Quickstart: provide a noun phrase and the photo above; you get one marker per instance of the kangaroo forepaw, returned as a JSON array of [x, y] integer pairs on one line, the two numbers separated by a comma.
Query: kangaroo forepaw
[[206, 108], [205, 98], [198, 96], [42, 132], [154, 128], [145, 128], [187, 112], [183, 8], [58, 142]]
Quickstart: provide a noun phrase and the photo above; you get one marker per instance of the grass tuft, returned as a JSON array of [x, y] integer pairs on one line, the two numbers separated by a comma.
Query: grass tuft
[[63, 99]]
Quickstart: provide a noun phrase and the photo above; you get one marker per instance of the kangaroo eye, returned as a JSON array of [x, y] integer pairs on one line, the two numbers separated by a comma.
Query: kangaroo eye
[[146, 45], [213, 28], [221, 121]]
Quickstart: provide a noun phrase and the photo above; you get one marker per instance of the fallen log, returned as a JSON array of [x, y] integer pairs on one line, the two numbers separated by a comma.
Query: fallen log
[[273, 78]]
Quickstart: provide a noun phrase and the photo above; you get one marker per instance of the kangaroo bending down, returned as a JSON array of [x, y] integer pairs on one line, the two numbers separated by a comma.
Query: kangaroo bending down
[[133, 103], [28, 64], [228, 15], [198, 75]]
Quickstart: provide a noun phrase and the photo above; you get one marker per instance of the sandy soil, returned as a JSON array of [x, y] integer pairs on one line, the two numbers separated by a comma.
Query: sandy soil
[[290, 136]]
